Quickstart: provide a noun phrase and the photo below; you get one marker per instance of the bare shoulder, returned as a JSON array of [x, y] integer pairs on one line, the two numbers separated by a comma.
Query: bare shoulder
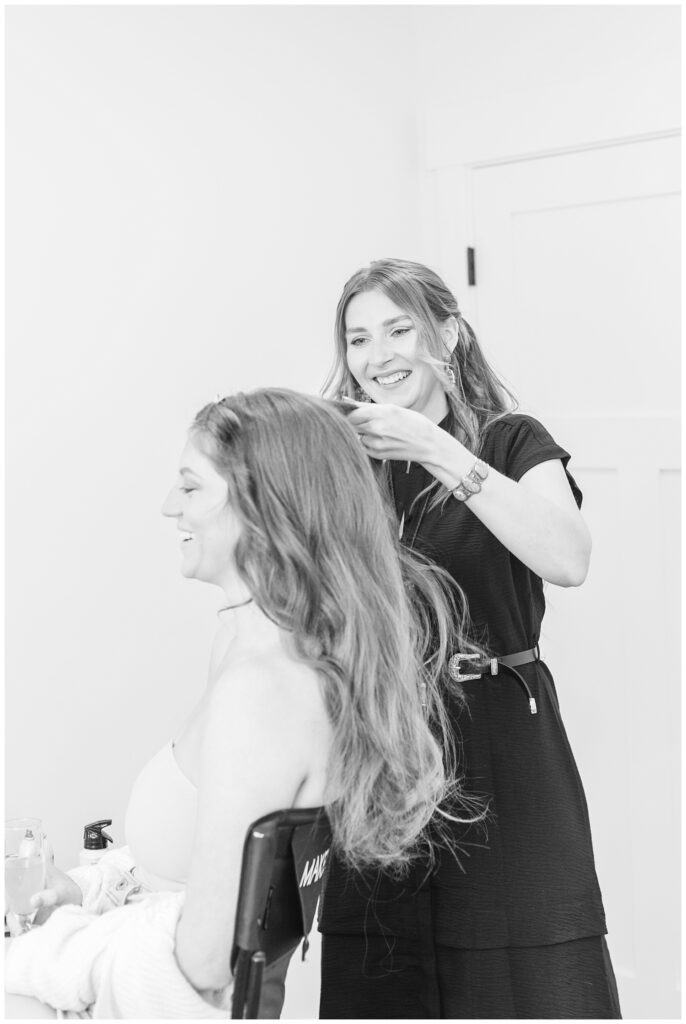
[[273, 697], [268, 680]]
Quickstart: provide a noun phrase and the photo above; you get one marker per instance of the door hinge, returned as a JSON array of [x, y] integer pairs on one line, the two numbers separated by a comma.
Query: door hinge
[[471, 267]]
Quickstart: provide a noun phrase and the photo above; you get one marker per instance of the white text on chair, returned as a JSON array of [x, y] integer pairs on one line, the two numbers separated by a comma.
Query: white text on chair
[[313, 870]]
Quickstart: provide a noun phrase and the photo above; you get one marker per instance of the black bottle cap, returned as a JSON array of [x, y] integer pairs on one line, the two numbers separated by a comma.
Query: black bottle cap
[[93, 836]]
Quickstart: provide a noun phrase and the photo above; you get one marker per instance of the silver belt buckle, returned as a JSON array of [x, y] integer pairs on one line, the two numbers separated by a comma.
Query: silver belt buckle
[[454, 667]]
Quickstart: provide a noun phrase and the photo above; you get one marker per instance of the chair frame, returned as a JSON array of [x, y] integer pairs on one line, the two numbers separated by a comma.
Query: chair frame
[[282, 876]]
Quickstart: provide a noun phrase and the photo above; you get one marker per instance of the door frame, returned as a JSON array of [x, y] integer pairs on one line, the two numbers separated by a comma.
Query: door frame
[[451, 188]]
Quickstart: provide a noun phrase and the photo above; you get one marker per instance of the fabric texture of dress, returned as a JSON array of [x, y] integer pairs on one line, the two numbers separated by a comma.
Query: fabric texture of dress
[[519, 889]]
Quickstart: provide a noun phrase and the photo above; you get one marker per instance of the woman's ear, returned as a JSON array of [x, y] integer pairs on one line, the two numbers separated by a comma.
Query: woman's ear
[[450, 333]]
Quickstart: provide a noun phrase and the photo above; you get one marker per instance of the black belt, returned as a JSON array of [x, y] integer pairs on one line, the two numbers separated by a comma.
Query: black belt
[[511, 662]]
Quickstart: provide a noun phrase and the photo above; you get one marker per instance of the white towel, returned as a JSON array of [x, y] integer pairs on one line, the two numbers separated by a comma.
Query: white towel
[[98, 882], [116, 965]]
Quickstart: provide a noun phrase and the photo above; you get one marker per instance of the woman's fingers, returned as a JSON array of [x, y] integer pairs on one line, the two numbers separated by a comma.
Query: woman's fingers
[[388, 431], [44, 903], [374, 447], [365, 414], [383, 421], [44, 898]]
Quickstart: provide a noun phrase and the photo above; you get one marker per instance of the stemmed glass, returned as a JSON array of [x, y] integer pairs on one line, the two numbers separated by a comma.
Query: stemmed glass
[[24, 867]]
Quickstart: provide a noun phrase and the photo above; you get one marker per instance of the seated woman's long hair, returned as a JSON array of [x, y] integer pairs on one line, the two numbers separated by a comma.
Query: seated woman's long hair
[[320, 555]]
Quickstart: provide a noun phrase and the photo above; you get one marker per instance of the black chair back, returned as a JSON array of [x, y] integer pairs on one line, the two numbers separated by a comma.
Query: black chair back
[[284, 859]]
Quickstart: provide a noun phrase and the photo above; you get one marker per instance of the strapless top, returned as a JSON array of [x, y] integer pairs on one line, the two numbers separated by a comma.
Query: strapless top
[[160, 822]]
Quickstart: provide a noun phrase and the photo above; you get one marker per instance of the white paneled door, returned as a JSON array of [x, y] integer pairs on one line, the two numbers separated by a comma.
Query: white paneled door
[[576, 302]]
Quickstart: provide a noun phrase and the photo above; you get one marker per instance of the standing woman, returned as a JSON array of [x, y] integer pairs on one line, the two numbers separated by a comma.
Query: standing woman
[[511, 925]]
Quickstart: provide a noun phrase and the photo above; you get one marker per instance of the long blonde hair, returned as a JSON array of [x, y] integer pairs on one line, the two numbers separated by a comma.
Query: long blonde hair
[[320, 555]]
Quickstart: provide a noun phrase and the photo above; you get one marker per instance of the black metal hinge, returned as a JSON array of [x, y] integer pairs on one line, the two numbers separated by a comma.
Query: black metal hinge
[[471, 267]]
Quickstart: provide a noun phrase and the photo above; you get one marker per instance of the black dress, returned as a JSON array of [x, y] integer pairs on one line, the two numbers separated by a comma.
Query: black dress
[[510, 924]]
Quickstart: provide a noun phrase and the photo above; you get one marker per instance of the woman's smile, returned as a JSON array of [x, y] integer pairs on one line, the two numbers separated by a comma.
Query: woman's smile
[[389, 380], [386, 356], [208, 527]]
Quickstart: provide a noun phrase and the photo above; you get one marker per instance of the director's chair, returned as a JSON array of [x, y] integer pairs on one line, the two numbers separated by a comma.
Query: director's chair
[[284, 859]]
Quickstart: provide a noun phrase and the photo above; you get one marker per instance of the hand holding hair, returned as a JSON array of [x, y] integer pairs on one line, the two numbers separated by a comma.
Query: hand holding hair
[[391, 432]]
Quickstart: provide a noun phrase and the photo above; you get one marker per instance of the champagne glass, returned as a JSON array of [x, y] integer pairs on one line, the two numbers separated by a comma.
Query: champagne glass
[[24, 867]]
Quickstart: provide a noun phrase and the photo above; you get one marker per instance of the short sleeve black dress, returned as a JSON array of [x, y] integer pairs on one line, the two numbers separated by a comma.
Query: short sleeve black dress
[[510, 923]]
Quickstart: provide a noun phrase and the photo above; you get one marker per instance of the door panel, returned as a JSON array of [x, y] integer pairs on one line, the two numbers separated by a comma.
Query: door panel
[[578, 277], [570, 265], [577, 305]]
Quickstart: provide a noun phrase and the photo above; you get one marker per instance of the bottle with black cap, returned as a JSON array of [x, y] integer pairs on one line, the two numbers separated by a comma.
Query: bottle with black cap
[[94, 842]]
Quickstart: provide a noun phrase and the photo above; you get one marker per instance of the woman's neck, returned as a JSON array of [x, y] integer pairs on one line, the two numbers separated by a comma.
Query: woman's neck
[[248, 625], [437, 408]]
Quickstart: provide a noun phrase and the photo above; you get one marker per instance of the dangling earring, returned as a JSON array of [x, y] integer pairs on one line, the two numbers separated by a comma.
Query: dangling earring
[[450, 375], [361, 396]]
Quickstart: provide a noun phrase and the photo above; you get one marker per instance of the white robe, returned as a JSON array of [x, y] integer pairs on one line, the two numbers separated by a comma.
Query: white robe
[[110, 963]]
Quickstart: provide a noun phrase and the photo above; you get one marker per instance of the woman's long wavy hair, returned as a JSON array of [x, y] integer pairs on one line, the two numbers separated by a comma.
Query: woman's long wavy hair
[[319, 553], [478, 396]]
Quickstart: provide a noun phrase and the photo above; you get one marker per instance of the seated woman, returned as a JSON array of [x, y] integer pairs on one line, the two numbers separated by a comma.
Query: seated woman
[[324, 689]]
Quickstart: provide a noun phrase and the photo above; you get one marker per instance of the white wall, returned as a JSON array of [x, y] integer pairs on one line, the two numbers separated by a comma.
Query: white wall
[[507, 80], [187, 190]]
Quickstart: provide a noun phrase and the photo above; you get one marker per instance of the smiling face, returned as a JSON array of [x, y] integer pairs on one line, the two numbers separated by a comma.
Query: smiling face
[[383, 352], [209, 528]]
